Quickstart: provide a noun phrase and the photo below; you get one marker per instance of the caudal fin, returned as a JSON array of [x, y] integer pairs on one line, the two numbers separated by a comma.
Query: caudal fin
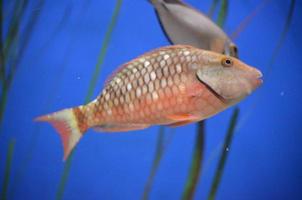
[[68, 127]]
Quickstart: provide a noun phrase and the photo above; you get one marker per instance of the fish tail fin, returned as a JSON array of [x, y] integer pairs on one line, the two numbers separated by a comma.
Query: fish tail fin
[[70, 125]]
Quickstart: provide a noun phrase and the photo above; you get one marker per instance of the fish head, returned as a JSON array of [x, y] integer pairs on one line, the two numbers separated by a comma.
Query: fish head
[[227, 77], [232, 50]]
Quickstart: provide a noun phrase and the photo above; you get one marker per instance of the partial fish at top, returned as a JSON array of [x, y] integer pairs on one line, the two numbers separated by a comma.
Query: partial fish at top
[[185, 25]]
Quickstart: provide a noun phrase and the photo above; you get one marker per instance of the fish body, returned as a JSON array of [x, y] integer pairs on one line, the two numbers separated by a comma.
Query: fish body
[[173, 85], [183, 24]]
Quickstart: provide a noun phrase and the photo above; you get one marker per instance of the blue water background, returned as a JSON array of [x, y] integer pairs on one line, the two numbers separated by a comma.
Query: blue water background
[[265, 158]]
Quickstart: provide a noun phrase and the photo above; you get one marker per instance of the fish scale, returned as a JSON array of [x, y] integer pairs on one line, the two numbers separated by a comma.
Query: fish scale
[[156, 79], [172, 85]]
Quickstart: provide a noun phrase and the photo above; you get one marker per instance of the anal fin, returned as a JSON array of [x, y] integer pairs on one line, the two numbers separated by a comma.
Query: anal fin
[[181, 123], [120, 127]]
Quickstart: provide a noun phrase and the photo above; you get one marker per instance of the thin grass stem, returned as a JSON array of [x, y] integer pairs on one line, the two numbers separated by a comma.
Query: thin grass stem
[[92, 85], [7, 171], [224, 154], [196, 163]]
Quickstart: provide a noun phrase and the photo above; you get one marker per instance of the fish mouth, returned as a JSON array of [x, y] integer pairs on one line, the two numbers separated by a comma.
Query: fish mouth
[[221, 98], [257, 80]]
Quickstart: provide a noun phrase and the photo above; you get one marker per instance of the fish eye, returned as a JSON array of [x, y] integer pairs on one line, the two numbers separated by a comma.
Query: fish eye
[[227, 62]]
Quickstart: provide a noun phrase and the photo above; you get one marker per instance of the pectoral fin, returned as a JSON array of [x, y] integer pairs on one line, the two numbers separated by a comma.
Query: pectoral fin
[[182, 117]]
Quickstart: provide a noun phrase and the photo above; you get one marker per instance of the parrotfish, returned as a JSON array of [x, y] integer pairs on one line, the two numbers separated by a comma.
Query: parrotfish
[[183, 24], [173, 85]]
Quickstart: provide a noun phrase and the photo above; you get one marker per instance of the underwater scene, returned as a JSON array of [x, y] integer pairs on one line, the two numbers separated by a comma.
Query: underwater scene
[[150, 99]]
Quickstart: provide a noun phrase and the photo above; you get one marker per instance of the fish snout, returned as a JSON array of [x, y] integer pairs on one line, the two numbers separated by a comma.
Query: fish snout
[[255, 78]]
